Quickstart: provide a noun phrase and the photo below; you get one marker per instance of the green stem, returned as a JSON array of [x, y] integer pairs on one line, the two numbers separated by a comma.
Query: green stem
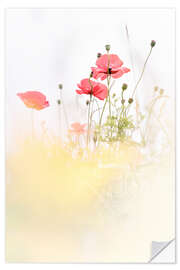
[[141, 75], [144, 66], [100, 120], [88, 120], [89, 123]]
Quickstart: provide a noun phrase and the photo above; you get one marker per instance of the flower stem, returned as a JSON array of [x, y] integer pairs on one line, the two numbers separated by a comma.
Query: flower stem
[[89, 109], [32, 123], [141, 73]]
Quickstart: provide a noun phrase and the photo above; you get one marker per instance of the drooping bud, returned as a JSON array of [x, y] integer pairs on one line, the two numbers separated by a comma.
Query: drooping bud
[[108, 47], [124, 86], [113, 96], [87, 102], [153, 43], [99, 55], [123, 101], [60, 86], [130, 100], [58, 101]]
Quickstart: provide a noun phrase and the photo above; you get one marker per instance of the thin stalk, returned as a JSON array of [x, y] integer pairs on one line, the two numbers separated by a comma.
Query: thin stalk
[[89, 109], [64, 109], [141, 75], [32, 123]]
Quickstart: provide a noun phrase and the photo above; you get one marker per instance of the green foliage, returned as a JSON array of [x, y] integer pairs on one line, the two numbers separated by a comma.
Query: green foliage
[[115, 129]]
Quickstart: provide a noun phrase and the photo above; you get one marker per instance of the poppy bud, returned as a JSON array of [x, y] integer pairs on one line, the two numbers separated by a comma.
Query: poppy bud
[[153, 43], [60, 86], [123, 101], [155, 88], [161, 91], [91, 74], [130, 100], [108, 47], [113, 95], [99, 55], [124, 86], [87, 102], [58, 102]]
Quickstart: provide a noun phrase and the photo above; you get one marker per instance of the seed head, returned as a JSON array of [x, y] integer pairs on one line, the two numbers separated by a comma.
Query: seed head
[[130, 100], [124, 86], [60, 86]]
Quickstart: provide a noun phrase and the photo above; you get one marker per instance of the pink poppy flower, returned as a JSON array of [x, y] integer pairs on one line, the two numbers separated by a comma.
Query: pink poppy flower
[[98, 90], [111, 61], [34, 100], [77, 128]]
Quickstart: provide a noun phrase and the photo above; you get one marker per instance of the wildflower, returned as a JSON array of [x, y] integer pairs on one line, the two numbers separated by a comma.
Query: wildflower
[[34, 100], [90, 87], [77, 128], [109, 64]]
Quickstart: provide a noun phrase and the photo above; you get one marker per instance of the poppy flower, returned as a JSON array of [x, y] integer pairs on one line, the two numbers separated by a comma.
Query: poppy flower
[[97, 89], [109, 64], [77, 128], [34, 100]]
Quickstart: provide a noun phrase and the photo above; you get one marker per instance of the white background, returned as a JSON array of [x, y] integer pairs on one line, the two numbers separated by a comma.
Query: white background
[[45, 47], [65, 4]]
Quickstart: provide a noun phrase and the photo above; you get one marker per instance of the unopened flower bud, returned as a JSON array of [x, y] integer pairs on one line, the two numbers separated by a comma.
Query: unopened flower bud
[[58, 102], [60, 86], [153, 43], [91, 74], [87, 102], [161, 91], [130, 100], [123, 101], [113, 95], [99, 55], [156, 88], [124, 86], [108, 47]]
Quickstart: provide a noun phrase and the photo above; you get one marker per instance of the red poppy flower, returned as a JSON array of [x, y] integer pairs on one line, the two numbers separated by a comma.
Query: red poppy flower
[[77, 128], [109, 64], [97, 89], [34, 100]]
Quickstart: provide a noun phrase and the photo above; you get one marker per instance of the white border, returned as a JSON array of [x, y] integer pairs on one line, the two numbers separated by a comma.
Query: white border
[[74, 4]]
